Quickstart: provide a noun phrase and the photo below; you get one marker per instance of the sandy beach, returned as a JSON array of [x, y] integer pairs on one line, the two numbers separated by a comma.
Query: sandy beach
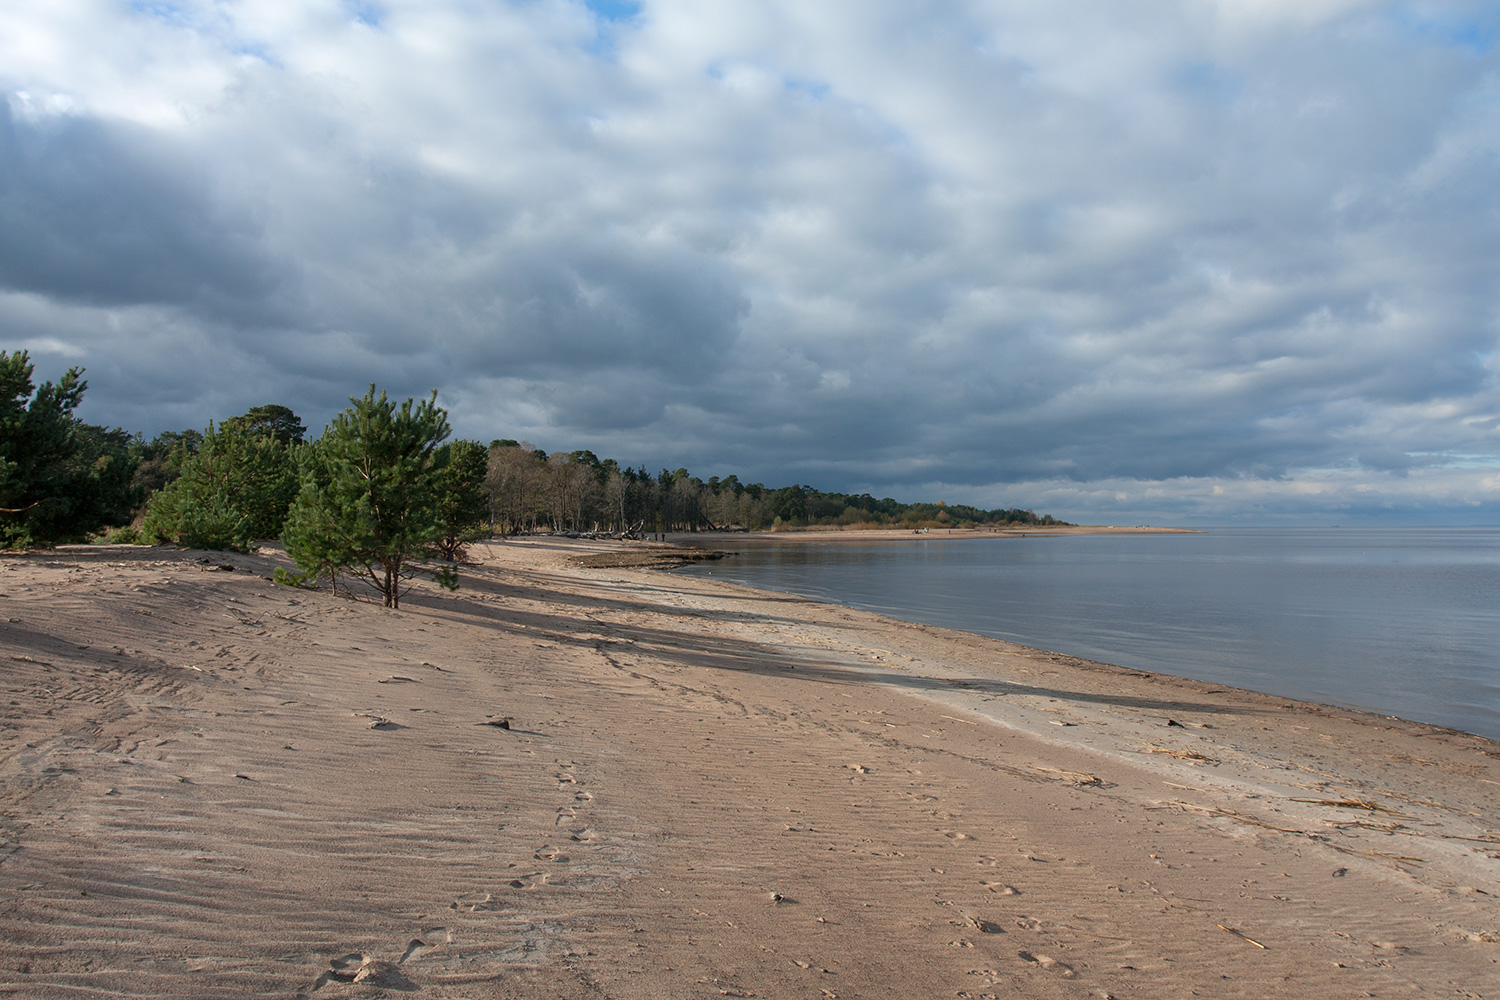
[[608, 781]]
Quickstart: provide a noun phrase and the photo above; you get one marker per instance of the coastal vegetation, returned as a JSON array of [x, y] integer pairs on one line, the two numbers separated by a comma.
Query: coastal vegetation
[[235, 486], [381, 484], [371, 494], [60, 479], [576, 491]]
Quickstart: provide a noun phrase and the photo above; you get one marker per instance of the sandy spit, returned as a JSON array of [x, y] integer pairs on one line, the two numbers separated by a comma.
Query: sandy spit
[[613, 782]]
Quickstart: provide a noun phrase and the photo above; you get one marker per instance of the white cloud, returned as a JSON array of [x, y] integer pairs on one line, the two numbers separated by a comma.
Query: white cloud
[[870, 246]]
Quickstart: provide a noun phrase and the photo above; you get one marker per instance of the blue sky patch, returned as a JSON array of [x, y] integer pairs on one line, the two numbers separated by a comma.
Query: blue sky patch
[[171, 13], [613, 10], [365, 13], [816, 89], [1476, 33]]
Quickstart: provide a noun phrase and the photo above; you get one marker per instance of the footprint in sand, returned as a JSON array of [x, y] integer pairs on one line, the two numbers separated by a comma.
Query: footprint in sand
[[416, 946], [473, 903], [1001, 889], [1050, 964], [984, 926], [586, 834], [549, 853]]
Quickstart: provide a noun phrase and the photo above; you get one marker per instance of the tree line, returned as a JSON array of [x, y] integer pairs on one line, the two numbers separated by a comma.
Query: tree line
[[380, 487], [530, 490]]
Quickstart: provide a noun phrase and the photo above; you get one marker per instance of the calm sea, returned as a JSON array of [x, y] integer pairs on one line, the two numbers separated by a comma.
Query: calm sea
[[1396, 621]]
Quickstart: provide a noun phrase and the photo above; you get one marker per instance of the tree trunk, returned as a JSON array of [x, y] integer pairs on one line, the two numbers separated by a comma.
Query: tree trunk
[[390, 588]]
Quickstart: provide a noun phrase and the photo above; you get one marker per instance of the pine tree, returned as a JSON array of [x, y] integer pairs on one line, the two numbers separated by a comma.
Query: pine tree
[[60, 479], [370, 493], [235, 488], [463, 504]]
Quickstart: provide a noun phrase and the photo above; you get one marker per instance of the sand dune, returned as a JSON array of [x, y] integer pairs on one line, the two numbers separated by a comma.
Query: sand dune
[[213, 786]]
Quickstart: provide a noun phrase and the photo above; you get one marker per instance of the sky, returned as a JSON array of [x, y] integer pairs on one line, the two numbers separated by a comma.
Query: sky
[[1170, 261]]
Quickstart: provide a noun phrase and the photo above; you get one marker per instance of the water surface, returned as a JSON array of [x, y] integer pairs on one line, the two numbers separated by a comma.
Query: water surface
[[1397, 621]]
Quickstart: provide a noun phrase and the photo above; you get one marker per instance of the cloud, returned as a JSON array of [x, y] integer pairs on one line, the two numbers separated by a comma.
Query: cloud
[[95, 211], [1143, 250]]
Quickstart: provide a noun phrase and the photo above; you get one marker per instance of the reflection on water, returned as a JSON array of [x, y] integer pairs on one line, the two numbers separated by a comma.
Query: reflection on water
[[1398, 621]]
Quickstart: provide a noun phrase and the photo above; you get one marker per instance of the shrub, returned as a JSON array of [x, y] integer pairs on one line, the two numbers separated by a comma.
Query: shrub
[[119, 536], [236, 488]]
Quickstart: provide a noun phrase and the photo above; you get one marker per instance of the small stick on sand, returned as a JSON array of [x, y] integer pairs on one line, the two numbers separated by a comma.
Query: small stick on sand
[[1345, 804], [1242, 937], [1181, 754]]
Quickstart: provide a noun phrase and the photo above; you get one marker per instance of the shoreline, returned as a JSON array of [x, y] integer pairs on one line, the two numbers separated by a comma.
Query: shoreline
[[1329, 694], [211, 785], [660, 559], [1291, 702], [824, 534]]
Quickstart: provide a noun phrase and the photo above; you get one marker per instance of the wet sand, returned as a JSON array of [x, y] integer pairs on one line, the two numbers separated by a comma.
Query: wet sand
[[213, 786]]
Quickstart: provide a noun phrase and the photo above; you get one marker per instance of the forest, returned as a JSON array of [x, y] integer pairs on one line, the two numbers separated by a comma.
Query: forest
[[242, 479], [530, 490]]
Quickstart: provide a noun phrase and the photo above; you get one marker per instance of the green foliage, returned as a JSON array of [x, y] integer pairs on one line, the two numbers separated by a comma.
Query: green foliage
[[311, 533], [790, 505], [100, 488], [446, 577], [286, 579], [36, 446], [159, 461], [272, 420], [60, 479], [577, 491], [463, 504], [235, 488], [215, 523], [119, 536], [370, 493]]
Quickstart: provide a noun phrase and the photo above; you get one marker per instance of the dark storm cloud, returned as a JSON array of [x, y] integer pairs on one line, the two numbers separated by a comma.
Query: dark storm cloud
[[1200, 259], [97, 212], [555, 309]]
